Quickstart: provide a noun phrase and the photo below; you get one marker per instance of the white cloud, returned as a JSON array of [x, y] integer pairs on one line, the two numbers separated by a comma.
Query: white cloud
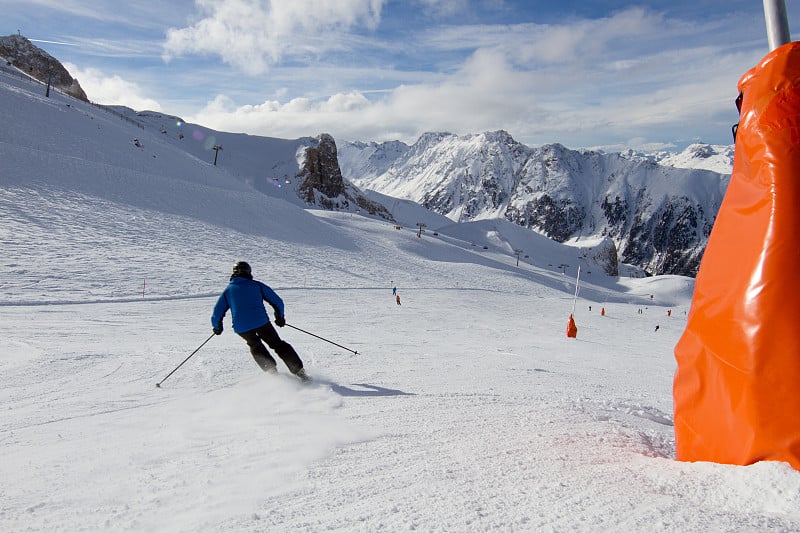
[[490, 92], [344, 67], [253, 34], [111, 90], [346, 103], [131, 13], [485, 94], [582, 41], [631, 75]]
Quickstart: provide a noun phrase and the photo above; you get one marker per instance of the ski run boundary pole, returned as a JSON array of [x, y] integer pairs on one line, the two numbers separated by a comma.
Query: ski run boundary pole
[[323, 338], [180, 365], [577, 284]]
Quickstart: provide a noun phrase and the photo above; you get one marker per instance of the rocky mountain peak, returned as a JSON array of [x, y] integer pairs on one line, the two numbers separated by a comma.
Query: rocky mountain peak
[[499, 136], [321, 172], [323, 184], [34, 61]]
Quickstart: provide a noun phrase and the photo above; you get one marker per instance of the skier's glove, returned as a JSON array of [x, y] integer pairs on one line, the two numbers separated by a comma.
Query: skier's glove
[[218, 330], [280, 321]]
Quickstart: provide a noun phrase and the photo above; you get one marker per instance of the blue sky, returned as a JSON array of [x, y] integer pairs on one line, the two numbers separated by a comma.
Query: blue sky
[[612, 74]]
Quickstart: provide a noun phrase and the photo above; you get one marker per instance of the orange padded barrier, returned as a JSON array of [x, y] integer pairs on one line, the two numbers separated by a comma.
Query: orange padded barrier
[[572, 329], [737, 387]]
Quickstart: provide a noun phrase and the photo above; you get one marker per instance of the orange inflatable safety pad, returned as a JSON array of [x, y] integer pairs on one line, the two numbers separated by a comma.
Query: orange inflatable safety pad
[[572, 329], [737, 386]]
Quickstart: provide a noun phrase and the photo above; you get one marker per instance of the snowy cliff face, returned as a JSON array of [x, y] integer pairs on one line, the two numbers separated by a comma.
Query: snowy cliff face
[[369, 160], [37, 63], [658, 217], [322, 183]]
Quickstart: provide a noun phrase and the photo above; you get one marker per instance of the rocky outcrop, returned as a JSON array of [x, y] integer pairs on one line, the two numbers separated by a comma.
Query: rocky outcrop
[[38, 64], [323, 185], [605, 254]]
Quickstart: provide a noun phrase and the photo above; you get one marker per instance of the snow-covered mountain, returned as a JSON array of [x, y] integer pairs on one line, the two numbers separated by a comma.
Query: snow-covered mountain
[[301, 171], [713, 157], [157, 161], [307, 166], [658, 216], [655, 208]]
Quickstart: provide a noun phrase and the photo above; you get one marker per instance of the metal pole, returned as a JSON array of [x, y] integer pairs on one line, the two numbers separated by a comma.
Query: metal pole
[[180, 365], [577, 284], [777, 23], [323, 338]]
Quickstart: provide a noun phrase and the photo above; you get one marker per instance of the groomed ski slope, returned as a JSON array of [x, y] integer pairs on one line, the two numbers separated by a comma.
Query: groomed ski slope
[[465, 409]]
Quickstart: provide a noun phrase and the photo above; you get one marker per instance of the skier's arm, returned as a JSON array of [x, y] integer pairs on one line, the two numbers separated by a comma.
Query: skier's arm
[[272, 299], [220, 309]]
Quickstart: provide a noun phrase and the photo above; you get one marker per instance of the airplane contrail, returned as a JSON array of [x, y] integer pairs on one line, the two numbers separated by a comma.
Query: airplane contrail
[[51, 42]]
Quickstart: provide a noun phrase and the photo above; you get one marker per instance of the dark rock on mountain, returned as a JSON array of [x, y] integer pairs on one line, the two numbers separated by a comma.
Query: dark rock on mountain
[[324, 186], [40, 65]]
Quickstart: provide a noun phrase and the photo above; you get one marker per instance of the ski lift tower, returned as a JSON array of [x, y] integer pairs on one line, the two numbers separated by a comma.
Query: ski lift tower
[[518, 252]]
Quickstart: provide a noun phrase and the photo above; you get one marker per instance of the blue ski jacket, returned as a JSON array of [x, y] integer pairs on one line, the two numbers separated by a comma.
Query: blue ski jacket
[[245, 298]]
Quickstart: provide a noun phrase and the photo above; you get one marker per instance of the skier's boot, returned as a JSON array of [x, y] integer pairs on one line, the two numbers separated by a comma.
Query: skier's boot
[[301, 375]]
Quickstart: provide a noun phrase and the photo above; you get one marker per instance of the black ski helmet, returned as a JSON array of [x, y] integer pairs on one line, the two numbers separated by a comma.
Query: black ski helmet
[[242, 268]]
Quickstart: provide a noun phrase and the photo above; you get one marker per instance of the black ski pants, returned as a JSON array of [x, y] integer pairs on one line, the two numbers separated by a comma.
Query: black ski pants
[[267, 333]]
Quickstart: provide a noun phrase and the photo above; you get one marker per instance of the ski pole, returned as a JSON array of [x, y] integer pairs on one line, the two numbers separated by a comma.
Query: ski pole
[[180, 365], [322, 338]]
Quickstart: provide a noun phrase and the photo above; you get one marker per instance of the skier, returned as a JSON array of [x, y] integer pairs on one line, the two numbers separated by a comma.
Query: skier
[[394, 291], [245, 297], [397, 299]]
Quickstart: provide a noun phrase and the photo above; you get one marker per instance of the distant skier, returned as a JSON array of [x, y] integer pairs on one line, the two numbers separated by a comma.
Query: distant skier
[[245, 297], [397, 299], [656, 328], [394, 291]]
